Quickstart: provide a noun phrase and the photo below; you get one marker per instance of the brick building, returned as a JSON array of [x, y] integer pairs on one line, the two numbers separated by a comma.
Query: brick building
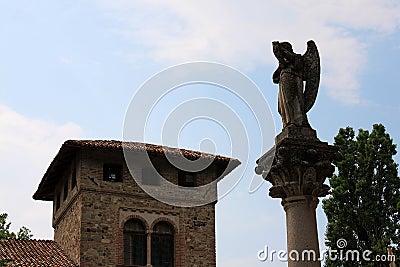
[[102, 215]]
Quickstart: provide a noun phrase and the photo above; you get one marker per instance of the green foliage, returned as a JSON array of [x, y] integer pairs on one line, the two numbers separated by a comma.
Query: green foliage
[[5, 233], [24, 233], [364, 205], [5, 227], [5, 262]]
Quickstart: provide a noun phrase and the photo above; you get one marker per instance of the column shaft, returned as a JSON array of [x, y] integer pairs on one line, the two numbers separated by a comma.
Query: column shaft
[[301, 228], [149, 248]]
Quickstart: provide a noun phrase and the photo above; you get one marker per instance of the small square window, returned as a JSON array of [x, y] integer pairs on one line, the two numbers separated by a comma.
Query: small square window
[[187, 179], [150, 176], [58, 201], [65, 190], [73, 178], [112, 172]]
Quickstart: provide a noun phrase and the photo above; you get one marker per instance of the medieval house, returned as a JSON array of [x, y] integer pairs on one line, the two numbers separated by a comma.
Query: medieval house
[[102, 216]]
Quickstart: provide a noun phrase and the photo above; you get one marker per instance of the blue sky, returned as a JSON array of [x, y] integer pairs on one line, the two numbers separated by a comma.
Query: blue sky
[[69, 69]]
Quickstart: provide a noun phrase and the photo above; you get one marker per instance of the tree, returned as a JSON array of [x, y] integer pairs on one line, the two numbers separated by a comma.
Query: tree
[[364, 206], [5, 233]]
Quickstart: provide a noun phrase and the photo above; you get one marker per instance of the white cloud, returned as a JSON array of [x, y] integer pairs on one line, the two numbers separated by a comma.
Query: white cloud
[[240, 33], [27, 146], [64, 60], [376, 15]]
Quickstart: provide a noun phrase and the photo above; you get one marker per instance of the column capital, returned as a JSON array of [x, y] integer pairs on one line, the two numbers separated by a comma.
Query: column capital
[[298, 166]]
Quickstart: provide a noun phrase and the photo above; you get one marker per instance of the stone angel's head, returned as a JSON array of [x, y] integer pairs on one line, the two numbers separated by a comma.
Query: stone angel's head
[[286, 46]]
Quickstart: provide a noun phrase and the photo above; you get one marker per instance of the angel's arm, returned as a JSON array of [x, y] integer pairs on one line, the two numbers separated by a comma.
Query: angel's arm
[[288, 55], [277, 50]]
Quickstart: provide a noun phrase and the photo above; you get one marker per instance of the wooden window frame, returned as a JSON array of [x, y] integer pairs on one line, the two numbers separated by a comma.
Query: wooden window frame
[[163, 238], [128, 253], [109, 169]]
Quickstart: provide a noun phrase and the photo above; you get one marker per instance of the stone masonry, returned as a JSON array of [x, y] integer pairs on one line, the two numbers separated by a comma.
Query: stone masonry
[[89, 218]]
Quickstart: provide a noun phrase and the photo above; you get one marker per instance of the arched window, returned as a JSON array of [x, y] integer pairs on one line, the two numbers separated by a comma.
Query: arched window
[[162, 245], [135, 243]]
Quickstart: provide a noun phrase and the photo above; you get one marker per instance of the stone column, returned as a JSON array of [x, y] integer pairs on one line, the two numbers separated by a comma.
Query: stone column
[[149, 232], [297, 167], [301, 229]]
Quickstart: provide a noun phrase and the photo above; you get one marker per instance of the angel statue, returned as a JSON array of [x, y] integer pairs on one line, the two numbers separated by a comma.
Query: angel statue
[[293, 100]]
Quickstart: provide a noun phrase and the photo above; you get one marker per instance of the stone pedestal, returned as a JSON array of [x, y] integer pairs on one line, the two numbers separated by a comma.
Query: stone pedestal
[[297, 167]]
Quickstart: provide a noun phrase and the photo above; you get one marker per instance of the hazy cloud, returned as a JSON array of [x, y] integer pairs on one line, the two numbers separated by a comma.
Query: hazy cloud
[[240, 33], [27, 146]]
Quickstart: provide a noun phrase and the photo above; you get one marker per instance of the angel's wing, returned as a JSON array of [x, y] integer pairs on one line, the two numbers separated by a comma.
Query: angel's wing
[[311, 74]]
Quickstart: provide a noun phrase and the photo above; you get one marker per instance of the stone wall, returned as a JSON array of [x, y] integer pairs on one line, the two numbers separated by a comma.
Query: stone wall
[[67, 231], [67, 218], [199, 233], [101, 208], [104, 215]]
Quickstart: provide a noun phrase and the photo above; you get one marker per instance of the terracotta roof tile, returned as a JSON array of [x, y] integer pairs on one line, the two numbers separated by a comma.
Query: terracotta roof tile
[[68, 149], [137, 146], [34, 253]]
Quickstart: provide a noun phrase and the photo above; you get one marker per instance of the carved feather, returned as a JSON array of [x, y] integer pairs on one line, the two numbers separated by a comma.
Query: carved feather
[[311, 74]]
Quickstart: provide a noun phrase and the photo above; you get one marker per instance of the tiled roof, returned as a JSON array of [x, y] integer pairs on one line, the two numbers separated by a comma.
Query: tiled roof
[[34, 253], [137, 146], [45, 190]]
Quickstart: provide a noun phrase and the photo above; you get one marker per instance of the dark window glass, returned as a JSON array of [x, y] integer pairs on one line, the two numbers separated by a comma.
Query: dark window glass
[[58, 201], [65, 190], [135, 243], [187, 179], [162, 245], [112, 172], [73, 179], [150, 176]]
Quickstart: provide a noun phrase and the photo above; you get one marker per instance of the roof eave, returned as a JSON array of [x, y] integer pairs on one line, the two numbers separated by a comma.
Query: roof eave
[[69, 147]]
